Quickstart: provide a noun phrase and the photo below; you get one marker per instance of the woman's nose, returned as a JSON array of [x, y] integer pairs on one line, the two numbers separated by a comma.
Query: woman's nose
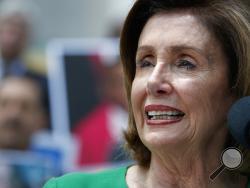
[[158, 82]]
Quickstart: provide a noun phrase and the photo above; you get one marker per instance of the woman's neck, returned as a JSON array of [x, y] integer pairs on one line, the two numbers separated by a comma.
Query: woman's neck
[[196, 175], [184, 168], [187, 172]]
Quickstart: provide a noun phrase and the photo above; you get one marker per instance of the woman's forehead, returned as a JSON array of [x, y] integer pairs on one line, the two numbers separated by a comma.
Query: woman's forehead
[[175, 31], [181, 25]]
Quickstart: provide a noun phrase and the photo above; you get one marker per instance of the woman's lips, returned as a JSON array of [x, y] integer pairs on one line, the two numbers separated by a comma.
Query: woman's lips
[[162, 115]]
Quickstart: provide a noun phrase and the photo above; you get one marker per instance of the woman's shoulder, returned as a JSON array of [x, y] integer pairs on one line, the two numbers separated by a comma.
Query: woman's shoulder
[[107, 178]]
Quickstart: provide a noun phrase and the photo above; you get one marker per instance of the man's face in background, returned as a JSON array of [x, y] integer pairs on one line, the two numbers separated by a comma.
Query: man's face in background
[[21, 112]]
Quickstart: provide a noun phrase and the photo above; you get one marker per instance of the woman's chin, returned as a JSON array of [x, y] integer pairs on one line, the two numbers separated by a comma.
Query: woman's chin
[[161, 140], [166, 134]]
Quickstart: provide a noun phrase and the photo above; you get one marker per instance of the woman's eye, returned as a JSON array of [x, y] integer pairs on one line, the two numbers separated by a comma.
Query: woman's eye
[[186, 64], [145, 63]]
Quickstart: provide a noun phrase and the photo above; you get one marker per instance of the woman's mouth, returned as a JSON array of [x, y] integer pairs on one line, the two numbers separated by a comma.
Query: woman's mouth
[[160, 114]]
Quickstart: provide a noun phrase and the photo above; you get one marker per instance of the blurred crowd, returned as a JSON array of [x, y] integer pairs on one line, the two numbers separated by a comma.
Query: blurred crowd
[[29, 155]]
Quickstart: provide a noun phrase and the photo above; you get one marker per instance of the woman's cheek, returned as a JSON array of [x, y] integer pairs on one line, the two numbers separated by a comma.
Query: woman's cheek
[[138, 93]]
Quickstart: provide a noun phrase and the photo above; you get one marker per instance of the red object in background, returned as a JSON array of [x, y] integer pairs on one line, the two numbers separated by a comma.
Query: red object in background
[[93, 135]]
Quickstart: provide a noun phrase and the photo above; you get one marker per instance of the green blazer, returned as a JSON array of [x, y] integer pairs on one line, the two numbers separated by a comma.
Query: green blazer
[[114, 178], [109, 178]]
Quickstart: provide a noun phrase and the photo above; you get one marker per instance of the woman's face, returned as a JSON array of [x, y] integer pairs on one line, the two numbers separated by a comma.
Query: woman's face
[[180, 93]]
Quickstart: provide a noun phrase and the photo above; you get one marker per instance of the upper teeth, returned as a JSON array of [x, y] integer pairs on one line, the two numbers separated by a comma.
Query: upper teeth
[[169, 113]]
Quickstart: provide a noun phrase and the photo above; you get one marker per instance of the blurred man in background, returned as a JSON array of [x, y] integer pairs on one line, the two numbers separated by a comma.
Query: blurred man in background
[[22, 116], [15, 35], [22, 112], [24, 104]]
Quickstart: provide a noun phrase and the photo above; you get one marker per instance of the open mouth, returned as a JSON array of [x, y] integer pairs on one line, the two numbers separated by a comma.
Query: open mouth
[[165, 115]]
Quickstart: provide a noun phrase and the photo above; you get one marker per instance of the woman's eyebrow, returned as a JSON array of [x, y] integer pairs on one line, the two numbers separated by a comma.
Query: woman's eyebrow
[[144, 49], [180, 48], [174, 48]]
